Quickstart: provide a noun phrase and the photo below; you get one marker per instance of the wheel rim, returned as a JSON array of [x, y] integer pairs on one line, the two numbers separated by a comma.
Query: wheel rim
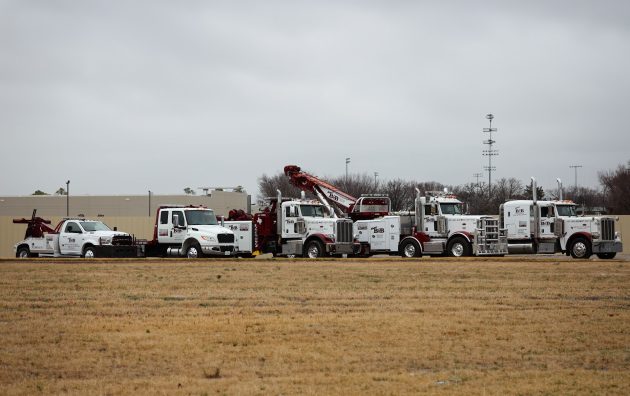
[[313, 251], [409, 250], [457, 250], [192, 252], [23, 253], [89, 253], [579, 249]]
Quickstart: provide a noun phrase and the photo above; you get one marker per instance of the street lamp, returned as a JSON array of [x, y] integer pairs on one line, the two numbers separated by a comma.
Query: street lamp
[[375, 176], [347, 162], [68, 198]]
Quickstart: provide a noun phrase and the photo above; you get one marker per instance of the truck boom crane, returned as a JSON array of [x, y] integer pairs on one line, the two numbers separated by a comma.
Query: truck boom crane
[[363, 208]]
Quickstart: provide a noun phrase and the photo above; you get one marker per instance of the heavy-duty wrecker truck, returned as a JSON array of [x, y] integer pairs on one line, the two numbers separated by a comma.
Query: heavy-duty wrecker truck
[[547, 227], [295, 227], [438, 225]]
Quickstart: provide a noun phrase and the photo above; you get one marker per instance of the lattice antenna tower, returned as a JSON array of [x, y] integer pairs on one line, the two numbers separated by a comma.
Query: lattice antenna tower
[[490, 152]]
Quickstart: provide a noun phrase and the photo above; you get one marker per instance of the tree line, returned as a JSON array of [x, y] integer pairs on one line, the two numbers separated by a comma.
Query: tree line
[[611, 197]]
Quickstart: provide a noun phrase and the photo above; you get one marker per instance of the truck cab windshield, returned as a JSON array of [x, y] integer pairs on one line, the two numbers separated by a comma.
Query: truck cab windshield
[[200, 217], [451, 208], [566, 210], [90, 226], [312, 211]]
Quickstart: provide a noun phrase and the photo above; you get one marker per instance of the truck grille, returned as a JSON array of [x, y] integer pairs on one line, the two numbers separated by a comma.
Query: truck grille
[[344, 231], [607, 229], [122, 240], [225, 238]]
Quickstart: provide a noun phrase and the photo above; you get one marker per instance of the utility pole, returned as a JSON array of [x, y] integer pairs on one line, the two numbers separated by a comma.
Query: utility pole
[[477, 175], [68, 198], [576, 168], [149, 203], [490, 152], [347, 162], [375, 176]]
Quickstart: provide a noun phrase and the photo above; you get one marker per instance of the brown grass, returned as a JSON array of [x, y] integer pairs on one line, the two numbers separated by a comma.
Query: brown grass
[[323, 327]]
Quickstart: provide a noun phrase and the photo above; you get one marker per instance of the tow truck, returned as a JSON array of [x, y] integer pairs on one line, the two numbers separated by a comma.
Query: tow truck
[[72, 237], [548, 227]]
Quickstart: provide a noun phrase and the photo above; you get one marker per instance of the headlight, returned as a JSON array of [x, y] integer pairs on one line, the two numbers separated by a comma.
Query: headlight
[[106, 240], [208, 238], [596, 235], [331, 236]]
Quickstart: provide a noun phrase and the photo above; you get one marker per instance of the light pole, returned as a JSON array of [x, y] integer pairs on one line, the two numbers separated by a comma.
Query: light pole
[[477, 175], [68, 198], [149, 203], [490, 152], [347, 162], [576, 168], [375, 176]]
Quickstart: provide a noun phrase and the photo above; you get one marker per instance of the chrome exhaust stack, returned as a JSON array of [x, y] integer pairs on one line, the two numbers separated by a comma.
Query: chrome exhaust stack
[[534, 190]]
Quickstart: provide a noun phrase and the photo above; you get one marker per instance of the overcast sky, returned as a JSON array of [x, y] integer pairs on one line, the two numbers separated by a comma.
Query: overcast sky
[[122, 97]]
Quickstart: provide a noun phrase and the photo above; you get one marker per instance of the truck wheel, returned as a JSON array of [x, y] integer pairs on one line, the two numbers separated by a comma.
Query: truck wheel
[[458, 247], [23, 252], [314, 249], [88, 252], [194, 251], [581, 248], [607, 256], [410, 249]]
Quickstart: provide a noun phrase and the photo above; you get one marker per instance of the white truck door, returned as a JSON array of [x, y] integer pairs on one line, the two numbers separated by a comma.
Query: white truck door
[[70, 239], [430, 225], [177, 227], [547, 218], [290, 221]]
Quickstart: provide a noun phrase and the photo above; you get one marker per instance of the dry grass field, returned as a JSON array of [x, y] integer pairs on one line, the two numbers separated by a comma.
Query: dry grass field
[[542, 326]]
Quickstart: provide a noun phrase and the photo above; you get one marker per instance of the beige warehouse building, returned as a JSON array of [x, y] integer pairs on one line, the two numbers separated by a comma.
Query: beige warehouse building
[[134, 214]]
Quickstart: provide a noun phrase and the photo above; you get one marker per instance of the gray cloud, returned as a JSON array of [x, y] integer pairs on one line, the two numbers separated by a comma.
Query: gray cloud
[[126, 97]]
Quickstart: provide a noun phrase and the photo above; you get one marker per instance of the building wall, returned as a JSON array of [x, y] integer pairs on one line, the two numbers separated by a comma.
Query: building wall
[[117, 205]]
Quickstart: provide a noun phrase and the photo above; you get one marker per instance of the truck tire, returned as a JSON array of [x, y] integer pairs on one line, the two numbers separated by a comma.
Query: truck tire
[[410, 248], [458, 247], [89, 252], [194, 251], [607, 256], [23, 252], [314, 249], [581, 248]]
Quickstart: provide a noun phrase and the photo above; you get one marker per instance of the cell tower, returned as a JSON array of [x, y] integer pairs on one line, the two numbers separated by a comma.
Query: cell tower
[[490, 152]]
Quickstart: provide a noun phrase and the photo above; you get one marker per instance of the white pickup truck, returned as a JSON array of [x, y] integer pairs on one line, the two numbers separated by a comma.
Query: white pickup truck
[[73, 238]]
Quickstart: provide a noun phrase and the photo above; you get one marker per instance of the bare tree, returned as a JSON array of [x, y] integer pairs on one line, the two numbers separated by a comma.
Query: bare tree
[[616, 185], [267, 185], [189, 191], [401, 194]]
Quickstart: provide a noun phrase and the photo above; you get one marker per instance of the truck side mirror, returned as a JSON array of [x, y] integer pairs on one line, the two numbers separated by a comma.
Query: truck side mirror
[[175, 221]]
